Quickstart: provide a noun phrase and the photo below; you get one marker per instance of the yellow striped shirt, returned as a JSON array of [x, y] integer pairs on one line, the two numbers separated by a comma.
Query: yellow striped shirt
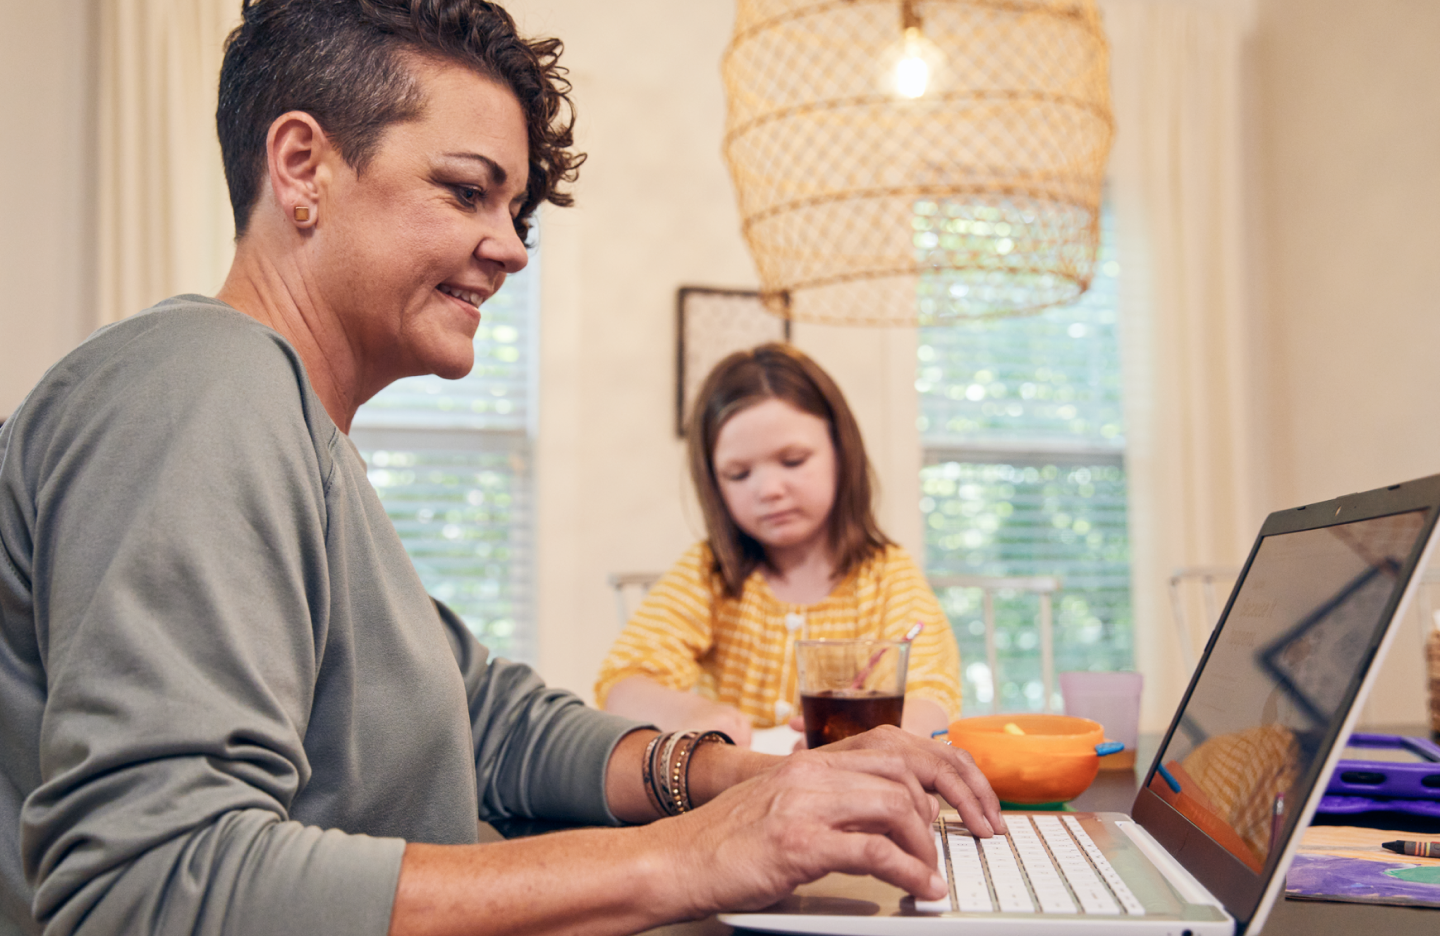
[[687, 634]]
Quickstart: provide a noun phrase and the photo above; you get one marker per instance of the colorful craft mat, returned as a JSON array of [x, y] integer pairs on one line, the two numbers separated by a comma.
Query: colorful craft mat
[[1346, 863]]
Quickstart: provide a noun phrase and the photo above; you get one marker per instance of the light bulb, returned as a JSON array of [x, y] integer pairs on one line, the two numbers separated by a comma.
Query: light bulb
[[914, 65]]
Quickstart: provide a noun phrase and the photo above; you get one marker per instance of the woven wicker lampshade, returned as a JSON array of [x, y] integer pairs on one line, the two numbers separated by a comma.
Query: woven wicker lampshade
[[865, 202]]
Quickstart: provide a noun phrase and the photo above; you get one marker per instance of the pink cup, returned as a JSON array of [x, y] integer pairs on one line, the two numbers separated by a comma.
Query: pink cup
[[1113, 700]]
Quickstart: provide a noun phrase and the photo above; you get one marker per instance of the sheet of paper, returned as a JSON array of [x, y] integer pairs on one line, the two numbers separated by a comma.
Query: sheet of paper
[[778, 740], [1346, 863]]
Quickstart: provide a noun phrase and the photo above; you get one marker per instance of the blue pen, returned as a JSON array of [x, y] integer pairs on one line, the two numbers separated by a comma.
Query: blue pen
[[1109, 747], [1170, 781]]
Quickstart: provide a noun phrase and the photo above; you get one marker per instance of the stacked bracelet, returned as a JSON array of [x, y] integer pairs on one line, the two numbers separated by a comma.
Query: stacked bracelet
[[647, 774], [665, 768], [718, 737]]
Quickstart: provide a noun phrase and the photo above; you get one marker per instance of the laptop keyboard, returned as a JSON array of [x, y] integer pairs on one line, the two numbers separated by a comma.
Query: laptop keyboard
[[1050, 865]]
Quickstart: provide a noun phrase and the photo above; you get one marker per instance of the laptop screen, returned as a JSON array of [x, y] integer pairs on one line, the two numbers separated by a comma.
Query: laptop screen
[[1291, 650]]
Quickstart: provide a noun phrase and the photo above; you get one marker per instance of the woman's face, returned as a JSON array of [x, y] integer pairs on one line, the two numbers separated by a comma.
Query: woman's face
[[775, 465], [405, 252]]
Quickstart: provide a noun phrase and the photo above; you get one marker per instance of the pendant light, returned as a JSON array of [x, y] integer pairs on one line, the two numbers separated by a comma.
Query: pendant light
[[902, 162]]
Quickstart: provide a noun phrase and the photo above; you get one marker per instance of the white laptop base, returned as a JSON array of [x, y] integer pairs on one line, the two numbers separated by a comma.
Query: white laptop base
[[1081, 873]]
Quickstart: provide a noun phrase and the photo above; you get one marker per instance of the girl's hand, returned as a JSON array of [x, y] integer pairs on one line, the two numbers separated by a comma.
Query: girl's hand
[[798, 724], [707, 715], [924, 717], [645, 700]]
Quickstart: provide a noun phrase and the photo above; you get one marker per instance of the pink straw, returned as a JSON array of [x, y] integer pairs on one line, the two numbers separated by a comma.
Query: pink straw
[[864, 674]]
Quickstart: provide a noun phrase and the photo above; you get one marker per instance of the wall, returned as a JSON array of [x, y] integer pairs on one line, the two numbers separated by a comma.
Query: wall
[[1348, 143], [47, 260], [1345, 179], [655, 210]]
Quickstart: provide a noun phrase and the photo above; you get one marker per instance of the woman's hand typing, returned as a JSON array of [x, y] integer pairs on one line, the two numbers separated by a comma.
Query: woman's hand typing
[[767, 824], [861, 806]]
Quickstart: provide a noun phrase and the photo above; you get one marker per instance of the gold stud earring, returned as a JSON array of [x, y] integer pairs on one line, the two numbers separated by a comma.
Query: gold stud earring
[[302, 213]]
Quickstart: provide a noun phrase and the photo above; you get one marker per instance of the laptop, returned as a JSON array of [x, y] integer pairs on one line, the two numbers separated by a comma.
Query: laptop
[[1238, 775]]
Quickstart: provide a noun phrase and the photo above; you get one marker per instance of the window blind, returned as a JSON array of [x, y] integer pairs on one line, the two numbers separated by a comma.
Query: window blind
[[1022, 423], [451, 462]]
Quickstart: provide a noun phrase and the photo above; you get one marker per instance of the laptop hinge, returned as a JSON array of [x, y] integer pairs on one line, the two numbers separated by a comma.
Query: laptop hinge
[[1189, 889]]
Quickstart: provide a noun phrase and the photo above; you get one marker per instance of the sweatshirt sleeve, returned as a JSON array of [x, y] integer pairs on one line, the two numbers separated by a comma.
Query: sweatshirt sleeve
[[540, 752], [180, 595]]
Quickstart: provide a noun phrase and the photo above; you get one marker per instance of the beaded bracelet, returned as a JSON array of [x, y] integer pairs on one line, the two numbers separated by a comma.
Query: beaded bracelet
[[665, 768], [719, 737], [679, 792], [663, 774], [647, 774], [657, 766], [653, 772]]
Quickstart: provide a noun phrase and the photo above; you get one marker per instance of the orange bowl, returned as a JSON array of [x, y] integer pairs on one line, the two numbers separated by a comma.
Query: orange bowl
[[1052, 761]]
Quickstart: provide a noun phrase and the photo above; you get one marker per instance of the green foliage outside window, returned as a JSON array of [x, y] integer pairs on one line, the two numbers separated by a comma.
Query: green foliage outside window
[[462, 517], [1024, 435]]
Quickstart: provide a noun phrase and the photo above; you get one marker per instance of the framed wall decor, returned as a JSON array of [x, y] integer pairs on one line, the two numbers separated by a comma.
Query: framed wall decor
[[709, 324]]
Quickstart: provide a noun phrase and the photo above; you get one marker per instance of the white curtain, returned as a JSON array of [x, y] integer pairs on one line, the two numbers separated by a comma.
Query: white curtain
[[1187, 334], [163, 218]]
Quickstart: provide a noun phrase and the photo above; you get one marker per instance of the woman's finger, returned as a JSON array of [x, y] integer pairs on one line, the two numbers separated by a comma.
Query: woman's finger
[[894, 820], [804, 819], [865, 786], [877, 855], [868, 801], [952, 773], [936, 766], [969, 792], [888, 762]]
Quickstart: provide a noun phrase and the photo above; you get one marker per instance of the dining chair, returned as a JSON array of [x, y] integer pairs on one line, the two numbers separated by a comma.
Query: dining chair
[[1045, 586], [626, 584], [1196, 600]]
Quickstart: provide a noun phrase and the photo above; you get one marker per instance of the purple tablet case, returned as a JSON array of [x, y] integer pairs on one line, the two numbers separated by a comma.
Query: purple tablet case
[[1364, 786]]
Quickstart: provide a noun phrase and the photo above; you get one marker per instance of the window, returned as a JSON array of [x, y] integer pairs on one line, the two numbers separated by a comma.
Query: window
[[1024, 474], [451, 461]]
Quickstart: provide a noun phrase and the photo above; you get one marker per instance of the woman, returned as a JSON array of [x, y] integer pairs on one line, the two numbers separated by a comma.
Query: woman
[[229, 705]]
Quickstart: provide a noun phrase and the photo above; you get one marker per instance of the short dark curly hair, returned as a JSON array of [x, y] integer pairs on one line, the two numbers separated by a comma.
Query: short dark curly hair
[[343, 62]]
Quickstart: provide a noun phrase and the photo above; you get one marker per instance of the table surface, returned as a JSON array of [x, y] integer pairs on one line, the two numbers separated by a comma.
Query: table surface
[[1114, 791]]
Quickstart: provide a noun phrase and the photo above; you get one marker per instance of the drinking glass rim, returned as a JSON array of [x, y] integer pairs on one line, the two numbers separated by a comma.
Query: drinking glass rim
[[852, 640]]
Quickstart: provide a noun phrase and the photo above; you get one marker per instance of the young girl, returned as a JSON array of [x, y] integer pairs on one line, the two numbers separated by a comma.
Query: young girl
[[793, 553]]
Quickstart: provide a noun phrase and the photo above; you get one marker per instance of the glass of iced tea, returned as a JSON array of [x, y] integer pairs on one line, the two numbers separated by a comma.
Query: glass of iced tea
[[850, 686]]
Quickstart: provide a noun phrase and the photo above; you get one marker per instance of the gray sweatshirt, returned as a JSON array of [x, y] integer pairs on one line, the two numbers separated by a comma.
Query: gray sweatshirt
[[225, 699]]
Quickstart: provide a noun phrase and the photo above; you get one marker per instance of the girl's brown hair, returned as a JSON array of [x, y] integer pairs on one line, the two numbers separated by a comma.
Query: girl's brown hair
[[780, 372]]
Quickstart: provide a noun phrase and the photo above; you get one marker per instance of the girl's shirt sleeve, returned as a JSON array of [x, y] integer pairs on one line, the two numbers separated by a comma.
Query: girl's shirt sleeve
[[934, 656], [670, 632]]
